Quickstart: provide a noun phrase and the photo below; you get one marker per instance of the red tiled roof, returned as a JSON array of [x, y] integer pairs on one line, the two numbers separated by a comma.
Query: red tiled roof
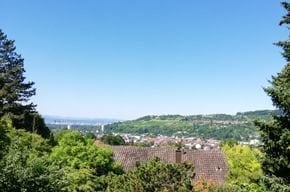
[[209, 165]]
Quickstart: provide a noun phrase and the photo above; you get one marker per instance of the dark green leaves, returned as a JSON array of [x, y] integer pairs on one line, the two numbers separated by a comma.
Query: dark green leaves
[[15, 92], [275, 134], [154, 176]]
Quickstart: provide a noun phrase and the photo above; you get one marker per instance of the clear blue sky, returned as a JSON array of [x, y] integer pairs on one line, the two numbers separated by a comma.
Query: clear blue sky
[[128, 58]]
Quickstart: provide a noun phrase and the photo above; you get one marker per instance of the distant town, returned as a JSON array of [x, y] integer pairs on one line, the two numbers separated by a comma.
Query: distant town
[[101, 127]]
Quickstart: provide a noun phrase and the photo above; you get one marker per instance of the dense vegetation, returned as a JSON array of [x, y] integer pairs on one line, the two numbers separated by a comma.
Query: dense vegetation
[[275, 134], [219, 126], [245, 169], [15, 92], [72, 162], [69, 161], [154, 176], [112, 140]]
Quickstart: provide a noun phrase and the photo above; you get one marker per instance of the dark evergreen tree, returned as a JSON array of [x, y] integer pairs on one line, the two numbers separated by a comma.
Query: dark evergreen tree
[[15, 92], [113, 140], [275, 134]]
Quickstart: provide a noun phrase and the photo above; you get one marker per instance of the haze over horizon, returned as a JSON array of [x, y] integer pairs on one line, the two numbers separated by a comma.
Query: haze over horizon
[[133, 118], [126, 59]]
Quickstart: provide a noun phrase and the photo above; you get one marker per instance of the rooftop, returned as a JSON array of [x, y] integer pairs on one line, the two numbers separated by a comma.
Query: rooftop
[[209, 165]]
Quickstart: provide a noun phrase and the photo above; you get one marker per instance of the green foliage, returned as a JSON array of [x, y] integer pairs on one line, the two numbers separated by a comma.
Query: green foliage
[[90, 135], [112, 140], [74, 163], [76, 151], [237, 188], [13, 89], [82, 179], [4, 139], [244, 167], [24, 165], [20, 173], [15, 93], [34, 123], [275, 184], [206, 186], [275, 134], [220, 126], [229, 143], [154, 176], [261, 114], [82, 161]]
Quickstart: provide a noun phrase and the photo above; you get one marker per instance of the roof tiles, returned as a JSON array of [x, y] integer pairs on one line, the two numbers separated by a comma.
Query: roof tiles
[[209, 165]]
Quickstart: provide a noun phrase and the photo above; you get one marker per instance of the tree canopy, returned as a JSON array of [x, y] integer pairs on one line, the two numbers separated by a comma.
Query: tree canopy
[[24, 162], [275, 134], [15, 92], [244, 167], [154, 176], [29, 162], [112, 139]]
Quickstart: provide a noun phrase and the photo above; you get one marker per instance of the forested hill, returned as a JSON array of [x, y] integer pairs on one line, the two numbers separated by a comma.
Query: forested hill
[[218, 126], [260, 114]]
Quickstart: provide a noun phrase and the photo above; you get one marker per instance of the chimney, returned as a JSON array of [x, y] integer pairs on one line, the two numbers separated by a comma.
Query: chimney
[[178, 156]]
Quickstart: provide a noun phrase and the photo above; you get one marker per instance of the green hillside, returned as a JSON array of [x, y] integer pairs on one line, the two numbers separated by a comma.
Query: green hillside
[[218, 126]]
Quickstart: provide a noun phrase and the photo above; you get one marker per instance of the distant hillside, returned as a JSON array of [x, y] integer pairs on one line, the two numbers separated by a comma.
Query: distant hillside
[[218, 126], [262, 114]]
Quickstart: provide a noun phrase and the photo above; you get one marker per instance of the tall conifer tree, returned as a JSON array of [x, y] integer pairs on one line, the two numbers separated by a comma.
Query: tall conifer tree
[[15, 92], [275, 134]]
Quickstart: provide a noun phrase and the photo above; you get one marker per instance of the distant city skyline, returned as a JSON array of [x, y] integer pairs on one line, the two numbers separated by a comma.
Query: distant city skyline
[[127, 59]]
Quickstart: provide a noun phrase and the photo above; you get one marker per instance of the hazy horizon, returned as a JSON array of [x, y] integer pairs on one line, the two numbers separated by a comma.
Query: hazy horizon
[[127, 59], [132, 118]]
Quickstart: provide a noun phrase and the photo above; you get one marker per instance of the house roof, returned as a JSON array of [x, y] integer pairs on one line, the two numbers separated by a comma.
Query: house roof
[[209, 165]]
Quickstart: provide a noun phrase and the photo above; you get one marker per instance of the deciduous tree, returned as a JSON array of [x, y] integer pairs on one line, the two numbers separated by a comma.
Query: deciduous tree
[[83, 163], [244, 167], [24, 164], [154, 176]]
